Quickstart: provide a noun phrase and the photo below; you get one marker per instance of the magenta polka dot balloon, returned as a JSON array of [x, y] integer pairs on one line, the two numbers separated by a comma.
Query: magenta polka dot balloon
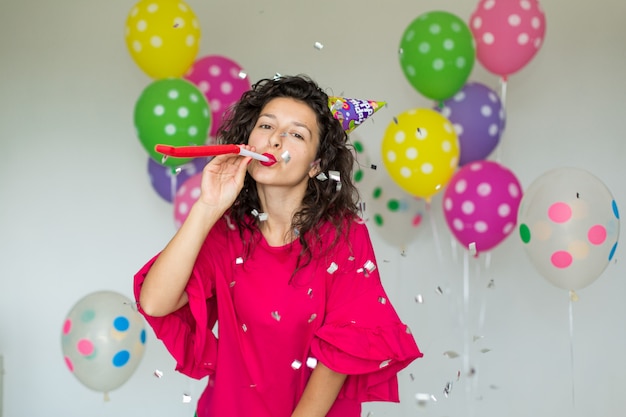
[[508, 33], [480, 204], [569, 224], [185, 197], [222, 81]]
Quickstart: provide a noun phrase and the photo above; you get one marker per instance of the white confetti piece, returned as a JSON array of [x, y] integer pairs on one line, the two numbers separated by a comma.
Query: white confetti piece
[[318, 46], [285, 156], [419, 299], [472, 248], [239, 260], [296, 364], [158, 373], [311, 362], [332, 268], [186, 398], [321, 176], [384, 363], [275, 315], [370, 266]]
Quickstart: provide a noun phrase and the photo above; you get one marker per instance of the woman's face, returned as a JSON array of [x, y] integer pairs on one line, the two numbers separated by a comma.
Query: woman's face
[[286, 129]]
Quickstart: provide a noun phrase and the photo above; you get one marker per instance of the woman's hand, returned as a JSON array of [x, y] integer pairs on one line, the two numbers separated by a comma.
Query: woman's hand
[[222, 180]]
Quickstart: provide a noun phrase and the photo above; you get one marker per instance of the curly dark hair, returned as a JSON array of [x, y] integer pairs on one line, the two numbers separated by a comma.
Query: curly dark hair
[[324, 201]]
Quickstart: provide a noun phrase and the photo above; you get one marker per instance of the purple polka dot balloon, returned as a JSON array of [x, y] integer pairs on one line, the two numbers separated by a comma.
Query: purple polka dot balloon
[[480, 204], [477, 115], [166, 181]]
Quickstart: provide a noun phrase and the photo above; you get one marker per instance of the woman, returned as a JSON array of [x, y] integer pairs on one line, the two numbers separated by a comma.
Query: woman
[[277, 255]]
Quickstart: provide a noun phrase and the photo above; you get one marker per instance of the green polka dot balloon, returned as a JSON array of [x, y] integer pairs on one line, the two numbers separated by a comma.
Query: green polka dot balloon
[[437, 54], [172, 112]]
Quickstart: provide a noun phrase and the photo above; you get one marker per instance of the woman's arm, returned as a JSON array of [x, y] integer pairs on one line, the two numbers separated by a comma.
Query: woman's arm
[[320, 393], [163, 290]]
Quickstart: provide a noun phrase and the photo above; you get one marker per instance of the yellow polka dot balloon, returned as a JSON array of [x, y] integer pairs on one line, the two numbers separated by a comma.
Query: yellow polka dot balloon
[[420, 150], [162, 37]]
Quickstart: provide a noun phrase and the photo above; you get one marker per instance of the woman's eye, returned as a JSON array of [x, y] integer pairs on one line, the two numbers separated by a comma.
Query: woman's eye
[[297, 135], [264, 126]]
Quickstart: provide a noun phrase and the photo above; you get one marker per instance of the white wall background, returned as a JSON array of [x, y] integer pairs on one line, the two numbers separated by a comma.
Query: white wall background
[[78, 214]]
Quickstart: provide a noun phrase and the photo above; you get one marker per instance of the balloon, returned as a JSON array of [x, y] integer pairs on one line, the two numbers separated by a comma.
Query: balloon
[[171, 112], [395, 215], [420, 151], [352, 112], [508, 34], [162, 37], [185, 197], [569, 224], [478, 118], [103, 340], [437, 54], [480, 204], [222, 82], [166, 181]]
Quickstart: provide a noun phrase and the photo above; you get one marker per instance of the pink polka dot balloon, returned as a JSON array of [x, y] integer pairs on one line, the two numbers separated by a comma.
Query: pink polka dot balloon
[[569, 224], [508, 34], [103, 339], [480, 204], [222, 81], [185, 197]]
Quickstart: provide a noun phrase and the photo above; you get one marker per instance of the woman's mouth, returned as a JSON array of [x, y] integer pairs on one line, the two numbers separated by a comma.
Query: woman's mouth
[[272, 160]]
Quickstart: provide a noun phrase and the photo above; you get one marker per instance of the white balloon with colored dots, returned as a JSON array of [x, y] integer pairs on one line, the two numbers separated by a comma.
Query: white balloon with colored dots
[[569, 224], [103, 340]]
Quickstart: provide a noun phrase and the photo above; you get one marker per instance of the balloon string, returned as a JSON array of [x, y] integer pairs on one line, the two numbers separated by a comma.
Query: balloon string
[[106, 396], [435, 231], [466, 329], [571, 341]]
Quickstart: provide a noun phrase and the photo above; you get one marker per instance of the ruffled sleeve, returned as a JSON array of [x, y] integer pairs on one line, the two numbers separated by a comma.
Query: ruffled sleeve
[[362, 335], [187, 333]]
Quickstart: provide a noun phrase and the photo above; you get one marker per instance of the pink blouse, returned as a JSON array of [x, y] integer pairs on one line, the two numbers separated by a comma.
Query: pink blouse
[[274, 327]]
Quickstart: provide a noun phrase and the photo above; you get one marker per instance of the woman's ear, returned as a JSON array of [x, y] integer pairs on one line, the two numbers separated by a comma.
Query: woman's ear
[[315, 168]]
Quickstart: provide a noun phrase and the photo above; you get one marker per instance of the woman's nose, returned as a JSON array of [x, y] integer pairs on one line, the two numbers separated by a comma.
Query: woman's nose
[[277, 138]]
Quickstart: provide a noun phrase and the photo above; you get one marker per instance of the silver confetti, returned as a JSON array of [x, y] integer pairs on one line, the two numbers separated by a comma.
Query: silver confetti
[[485, 350], [382, 300], [310, 292], [242, 75], [177, 170], [321, 176], [472, 248], [334, 175], [285, 156], [244, 327], [384, 363], [439, 291], [296, 364], [451, 354], [158, 373], [276, 315], [419, 299], [313, 317], [232, 284], [421, 133], [263, 217], [239, 260], [311, 362], [318, 46], [447, 389], [163, 159], [332, 268], [186, 398], [277, 76], [370, 266]]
